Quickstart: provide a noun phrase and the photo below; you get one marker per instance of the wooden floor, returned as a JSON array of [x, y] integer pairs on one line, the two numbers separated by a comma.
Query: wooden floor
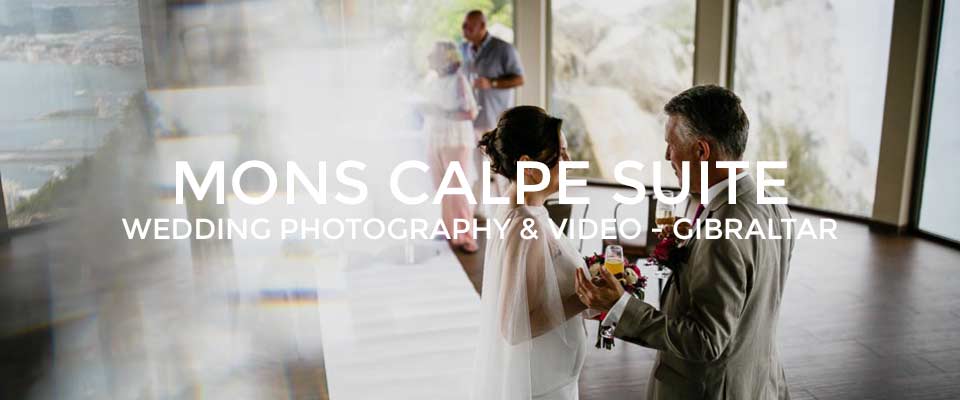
[[869, 316]]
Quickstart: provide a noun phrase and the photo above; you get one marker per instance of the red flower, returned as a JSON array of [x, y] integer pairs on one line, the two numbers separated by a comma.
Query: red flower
[[670, 253], [662, 252]]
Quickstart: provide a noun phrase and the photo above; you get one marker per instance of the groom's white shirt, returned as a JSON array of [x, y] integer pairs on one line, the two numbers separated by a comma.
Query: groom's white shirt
[[613, 316]]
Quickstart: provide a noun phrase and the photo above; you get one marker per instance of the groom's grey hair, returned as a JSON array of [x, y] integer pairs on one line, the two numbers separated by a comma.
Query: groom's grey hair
[[713, 113]]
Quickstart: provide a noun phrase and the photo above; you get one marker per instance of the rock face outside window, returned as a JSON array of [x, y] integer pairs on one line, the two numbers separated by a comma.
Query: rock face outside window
[[812, 77], [615, 64]]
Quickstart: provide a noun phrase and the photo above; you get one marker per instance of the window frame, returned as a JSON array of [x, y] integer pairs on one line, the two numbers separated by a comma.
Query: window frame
[[869, 218], [729, 41], [930, 79], [549, 68]]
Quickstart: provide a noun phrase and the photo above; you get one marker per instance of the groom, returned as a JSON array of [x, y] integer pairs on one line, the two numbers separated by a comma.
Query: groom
[[716, 333]]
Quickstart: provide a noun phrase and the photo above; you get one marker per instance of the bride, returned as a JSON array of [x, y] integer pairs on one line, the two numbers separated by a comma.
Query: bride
[[532, 339]]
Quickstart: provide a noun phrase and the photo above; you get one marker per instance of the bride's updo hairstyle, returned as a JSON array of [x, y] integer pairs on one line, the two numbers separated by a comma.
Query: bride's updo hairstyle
[[522, 131]]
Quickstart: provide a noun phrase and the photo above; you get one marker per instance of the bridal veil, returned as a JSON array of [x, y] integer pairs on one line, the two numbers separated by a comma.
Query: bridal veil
[[526, 307]]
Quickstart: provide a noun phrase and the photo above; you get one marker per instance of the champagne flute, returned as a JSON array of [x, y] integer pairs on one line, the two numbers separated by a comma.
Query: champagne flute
[[665, 212], [613, 259]]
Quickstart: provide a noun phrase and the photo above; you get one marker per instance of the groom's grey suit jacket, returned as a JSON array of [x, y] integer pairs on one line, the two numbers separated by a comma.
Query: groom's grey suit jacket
[[716, 333]]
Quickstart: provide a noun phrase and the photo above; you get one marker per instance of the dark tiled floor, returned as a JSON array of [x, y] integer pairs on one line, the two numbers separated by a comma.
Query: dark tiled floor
[[869, 316]]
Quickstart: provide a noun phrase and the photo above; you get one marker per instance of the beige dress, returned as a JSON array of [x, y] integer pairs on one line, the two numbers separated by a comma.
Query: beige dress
[[451, 140]]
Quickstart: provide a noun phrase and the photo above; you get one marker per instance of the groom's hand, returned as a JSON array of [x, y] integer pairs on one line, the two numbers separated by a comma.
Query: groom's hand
[[683, 228], [599, 297]]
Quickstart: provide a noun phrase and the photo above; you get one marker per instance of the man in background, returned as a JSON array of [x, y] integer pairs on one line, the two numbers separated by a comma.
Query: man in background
[[493, 68]]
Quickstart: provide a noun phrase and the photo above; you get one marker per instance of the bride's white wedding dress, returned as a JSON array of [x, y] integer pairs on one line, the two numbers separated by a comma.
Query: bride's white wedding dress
[[532, 338]]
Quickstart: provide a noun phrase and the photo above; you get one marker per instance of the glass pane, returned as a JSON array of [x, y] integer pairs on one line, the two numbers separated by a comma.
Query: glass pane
[[66, 76], [812, 78], [615, 64], [939, 213]]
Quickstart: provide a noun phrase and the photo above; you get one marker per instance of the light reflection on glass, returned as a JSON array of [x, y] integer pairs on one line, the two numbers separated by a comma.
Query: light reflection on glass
[[106, 317]]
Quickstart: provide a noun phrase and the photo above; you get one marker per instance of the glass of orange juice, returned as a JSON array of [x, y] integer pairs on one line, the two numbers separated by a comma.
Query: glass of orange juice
[[665, 212], [613, 259]]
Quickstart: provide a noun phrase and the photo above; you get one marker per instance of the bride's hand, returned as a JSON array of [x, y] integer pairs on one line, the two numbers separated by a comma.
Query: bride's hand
[[599, 297]]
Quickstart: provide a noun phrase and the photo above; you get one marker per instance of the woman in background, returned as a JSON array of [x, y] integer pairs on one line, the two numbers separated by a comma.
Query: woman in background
[[448, 116]]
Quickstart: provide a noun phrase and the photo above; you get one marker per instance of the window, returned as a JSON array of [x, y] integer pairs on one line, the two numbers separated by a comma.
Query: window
[[812, 76], [67, 74], [418, 24], [614, 66], [941, 180]]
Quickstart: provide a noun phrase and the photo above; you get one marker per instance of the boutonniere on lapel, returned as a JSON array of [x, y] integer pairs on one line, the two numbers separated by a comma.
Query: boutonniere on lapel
[[671, 252]]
